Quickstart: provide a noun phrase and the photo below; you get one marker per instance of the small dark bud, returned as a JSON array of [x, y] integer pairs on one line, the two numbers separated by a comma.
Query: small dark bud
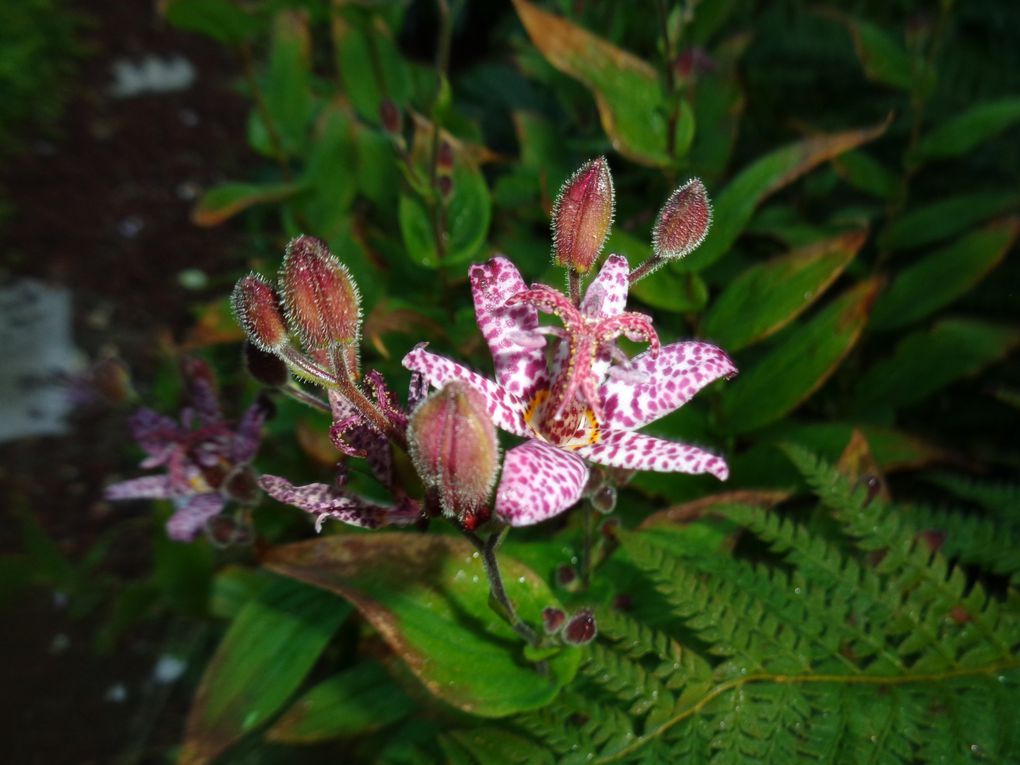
[[604, 500], [266, 368], [683, 221], [445, 184], [582, 216], [623, 602], [389, 116], [444, 157], [257, 308], [552, 620], [566, 576], [581, 628], [932, 539], [241, 485]]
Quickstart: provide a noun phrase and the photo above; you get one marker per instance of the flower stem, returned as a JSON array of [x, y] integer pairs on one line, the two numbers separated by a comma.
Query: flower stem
[[587, 544], [650, 265], [488, 549], [574, 285]]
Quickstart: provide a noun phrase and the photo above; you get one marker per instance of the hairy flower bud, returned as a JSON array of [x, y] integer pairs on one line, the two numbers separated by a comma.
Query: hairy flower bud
[[322, 300], [257, 308], [452, 442], [683, 221], [583, 215]]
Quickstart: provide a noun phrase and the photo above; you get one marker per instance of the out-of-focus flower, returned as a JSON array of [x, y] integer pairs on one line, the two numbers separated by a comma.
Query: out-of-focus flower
[[204, 461], [586, 400]]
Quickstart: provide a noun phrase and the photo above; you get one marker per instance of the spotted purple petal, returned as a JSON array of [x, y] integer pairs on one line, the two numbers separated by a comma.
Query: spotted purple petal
[[635, 451], [146, 487], [505, 408], [325, 501], [606, 296], [651, 386], [518, 353], [248, 435], [156, 434], [538, 482], [190, 518]]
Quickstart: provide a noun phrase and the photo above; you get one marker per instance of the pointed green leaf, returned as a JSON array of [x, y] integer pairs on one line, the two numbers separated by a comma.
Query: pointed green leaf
[[223, 202], [428, 596], [945, 217], [351, 703], [940, 278], [468, 213], [961, 133], [287, 89], [221, 20], [768, 296], [328, 181], [798, 367], [883, 59], [735, 206], [371, 68], [416, 230], [627, 90], [926, 361], [863, 172], [261, 661]]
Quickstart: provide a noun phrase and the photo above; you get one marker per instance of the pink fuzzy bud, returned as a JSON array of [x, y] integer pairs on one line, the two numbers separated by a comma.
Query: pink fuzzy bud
[[683, 221], [583, 215], [322, 300], [257, 308], [452, 442]]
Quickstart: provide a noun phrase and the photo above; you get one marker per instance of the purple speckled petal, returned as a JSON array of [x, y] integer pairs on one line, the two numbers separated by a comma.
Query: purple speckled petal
[[518, 353], [248, 435], [156, 434], [190, 518], [325, 501], [505, 408], [651, 386], [146, 487], [635, 451], [538, 482], [606, 296]]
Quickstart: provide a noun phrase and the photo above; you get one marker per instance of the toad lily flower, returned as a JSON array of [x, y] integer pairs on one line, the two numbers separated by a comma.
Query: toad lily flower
[[586, 399], [206, 461]]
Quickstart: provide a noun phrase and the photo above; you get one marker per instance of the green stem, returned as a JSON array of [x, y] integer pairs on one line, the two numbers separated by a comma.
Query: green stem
[[488, 548], [442, 66], [587, 544]]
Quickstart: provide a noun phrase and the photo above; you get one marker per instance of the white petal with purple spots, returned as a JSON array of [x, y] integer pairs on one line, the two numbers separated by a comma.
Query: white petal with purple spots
[[146, 487], [538, 482], [518, 352], [651, 386], [190, 518], [323, 500], [606, 296], [635, 451], [505, 408]]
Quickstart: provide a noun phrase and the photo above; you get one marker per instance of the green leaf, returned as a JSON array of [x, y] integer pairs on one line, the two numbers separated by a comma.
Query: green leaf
[[864, 172], [963, 132], [223, 202], [926, 361], [884, 60], [468, 213], [940, 278], [798, 367], [768, 296], [416, 230], [354, 702], [629, 96], [941, 219], [260, 662], [328, 181], [288, 83], [221, 20], [893, 449], [428, 596], [371, 67], [735, 206]]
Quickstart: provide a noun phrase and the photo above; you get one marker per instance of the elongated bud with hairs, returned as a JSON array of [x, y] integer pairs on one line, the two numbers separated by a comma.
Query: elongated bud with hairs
[[322, 301], [257, 308], [683, 221], [582, 216], [452, 441]]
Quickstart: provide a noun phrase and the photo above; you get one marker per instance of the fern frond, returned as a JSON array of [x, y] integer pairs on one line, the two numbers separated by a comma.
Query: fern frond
[[1002, 500], [970, 539], [626, 679]]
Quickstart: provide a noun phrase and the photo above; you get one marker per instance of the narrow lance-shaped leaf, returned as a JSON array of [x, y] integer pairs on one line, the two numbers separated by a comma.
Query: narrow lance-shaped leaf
[[288, 85], [883, 59], [223, 202], [428, 596], [864, 172], [963, 132], [927, 361], [766, 297], [736, 204], [627, 90], [221, 20], [945, 217], [266, 653], [940, 278], [798, 367]]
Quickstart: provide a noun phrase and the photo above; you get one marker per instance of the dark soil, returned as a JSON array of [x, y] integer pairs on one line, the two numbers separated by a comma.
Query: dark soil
[[103, 209]]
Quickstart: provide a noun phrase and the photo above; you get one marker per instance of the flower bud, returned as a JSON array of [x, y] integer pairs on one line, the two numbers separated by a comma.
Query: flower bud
[[257, 308], [582, 216], [444, 157], [581, 628], [452, 441], [389, 116], [322, 300], [683, 221], [552, 620]]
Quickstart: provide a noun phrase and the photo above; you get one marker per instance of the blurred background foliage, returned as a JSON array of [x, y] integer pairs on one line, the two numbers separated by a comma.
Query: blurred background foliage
[[863, 160]]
